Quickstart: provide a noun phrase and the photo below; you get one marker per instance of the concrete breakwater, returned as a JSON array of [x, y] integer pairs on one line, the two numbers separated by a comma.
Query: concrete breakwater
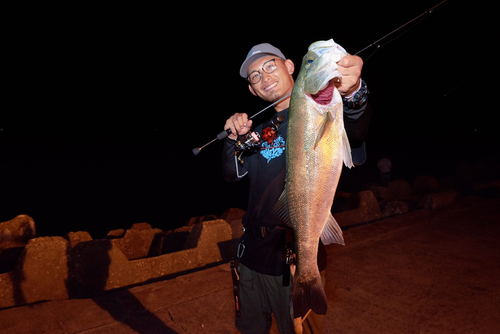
[[74, 266]]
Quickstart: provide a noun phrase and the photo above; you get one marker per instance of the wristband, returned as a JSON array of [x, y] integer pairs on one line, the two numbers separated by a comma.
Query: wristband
[[359, 98]]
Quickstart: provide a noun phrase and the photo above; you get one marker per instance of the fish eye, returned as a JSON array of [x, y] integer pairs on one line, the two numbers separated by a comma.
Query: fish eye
[[310, 61]]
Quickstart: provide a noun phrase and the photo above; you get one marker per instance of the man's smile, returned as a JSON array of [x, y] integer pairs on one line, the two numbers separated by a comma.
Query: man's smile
[[270, 87]]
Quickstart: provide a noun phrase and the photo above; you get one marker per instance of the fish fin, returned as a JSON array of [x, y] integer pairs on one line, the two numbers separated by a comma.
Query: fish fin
[[347, 150], [281, 210], [332, 233], [322, 128], [308, 296]]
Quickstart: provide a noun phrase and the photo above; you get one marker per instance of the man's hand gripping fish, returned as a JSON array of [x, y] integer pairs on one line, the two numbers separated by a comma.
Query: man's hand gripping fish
[[316, 147]]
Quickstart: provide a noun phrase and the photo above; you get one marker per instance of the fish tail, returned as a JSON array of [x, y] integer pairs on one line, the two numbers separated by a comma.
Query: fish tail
[[308, 296]]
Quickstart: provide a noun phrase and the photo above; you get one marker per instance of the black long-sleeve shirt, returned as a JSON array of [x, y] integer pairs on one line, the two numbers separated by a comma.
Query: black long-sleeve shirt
[[266, 168]]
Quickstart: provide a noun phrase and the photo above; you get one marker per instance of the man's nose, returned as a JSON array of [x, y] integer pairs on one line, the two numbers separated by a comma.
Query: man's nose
[[266, 77]]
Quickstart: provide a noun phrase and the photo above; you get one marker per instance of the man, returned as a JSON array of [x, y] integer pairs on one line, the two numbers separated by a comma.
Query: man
[[264, 283]]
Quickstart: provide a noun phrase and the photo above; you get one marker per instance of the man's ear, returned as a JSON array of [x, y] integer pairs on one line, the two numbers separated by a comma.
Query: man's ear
[[250, 88], [290, 66]]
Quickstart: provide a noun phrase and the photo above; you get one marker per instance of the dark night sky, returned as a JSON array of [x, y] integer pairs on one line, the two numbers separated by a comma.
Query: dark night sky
[[105, 103]]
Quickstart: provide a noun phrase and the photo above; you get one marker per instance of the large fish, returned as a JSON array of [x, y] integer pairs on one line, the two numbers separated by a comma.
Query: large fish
[[316, 147]]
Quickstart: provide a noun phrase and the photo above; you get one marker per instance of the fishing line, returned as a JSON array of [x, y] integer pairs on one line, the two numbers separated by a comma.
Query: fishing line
[[419, 17]]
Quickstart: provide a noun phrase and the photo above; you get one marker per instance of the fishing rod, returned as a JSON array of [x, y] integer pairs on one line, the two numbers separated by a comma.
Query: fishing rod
[[377, 42], [227, 132]]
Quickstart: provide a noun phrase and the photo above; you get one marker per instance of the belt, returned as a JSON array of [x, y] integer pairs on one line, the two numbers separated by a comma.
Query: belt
[[261, 231]]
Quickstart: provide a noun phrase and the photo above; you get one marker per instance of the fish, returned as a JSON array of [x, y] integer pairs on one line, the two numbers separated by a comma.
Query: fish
[[316, 148]]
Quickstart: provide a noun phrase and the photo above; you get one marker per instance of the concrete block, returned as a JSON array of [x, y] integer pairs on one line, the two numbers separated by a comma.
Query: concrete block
[[174, 241], [141, 227], [197, 220], [367, 210], [99, 265], [383, 194], [17, 230], [113, 234], [394, 208], [209, 242], [237, 229], [438, 200], [208, 238], [41, 273], [425, 184], [232, 214], [137, 242], [14, 235], [74, 238], [401, 189]]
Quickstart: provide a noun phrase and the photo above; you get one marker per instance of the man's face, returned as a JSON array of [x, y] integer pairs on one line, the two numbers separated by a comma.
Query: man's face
[[272, 86]]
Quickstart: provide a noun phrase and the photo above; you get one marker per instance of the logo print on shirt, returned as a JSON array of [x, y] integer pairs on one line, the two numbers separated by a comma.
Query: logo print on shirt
[[274, 150]]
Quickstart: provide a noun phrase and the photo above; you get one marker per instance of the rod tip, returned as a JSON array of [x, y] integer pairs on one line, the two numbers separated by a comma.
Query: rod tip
[[196, 150]]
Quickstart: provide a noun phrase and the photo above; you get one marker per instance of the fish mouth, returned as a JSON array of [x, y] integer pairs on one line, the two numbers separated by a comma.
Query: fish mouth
[[325, 95]]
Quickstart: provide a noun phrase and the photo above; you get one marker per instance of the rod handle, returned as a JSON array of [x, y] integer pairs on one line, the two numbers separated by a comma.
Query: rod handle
[[224, 134]]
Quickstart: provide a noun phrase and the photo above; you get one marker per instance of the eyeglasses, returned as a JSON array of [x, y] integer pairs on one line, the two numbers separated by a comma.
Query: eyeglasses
[[268, 67]]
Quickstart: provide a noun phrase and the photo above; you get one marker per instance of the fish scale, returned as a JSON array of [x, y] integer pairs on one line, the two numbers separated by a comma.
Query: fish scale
[[317, 146]]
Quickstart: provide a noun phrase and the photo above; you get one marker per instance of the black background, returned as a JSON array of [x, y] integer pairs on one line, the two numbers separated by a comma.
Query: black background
[[103, 103]]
